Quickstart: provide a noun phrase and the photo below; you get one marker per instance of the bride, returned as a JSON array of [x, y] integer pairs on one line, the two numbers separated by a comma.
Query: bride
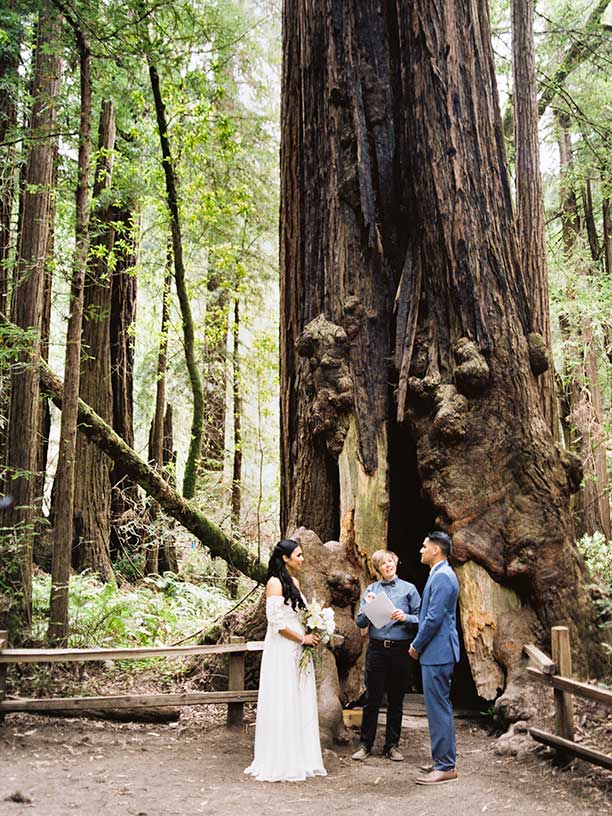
[[287, 746]]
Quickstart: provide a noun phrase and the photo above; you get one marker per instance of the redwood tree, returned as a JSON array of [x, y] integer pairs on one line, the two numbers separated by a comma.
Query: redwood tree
[[399, 264], [27, 311], [530, 204], [64, 497], [583, 421], [92, 491], [124, 290]]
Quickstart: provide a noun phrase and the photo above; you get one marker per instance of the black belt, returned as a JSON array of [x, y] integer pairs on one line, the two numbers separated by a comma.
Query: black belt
[[390, 644]]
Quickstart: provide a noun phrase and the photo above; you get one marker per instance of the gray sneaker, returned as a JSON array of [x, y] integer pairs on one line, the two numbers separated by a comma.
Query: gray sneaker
[[395, 754], [361, 753]]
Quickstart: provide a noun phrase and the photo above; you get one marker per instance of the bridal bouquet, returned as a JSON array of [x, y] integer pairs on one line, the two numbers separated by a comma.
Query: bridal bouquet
[[317, 620]]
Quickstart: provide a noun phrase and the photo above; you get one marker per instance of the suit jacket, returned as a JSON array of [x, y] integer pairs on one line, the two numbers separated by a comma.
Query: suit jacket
[[437, 641]]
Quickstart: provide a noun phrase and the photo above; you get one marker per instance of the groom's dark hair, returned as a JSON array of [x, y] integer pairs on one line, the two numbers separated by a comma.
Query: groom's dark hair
[[443, 540]]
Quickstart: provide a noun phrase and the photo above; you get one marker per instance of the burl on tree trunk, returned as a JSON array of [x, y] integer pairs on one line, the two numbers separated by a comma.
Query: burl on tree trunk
[[409, 362]]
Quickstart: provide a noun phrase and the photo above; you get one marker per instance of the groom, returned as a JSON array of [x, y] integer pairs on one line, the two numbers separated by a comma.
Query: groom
[[436, 646]]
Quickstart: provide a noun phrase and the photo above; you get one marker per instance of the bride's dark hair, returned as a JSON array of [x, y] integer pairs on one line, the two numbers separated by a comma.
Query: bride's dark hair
[[278, 569]]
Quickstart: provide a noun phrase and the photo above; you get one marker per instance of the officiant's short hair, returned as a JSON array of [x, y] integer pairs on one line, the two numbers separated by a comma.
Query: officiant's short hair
[[381, 555]]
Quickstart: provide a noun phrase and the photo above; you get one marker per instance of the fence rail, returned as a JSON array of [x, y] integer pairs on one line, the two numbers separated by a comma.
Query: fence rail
[[234, 697], [557, 673]]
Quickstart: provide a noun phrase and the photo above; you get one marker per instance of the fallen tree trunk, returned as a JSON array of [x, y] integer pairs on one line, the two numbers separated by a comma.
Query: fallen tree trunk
[[98, 432], [144, 715]]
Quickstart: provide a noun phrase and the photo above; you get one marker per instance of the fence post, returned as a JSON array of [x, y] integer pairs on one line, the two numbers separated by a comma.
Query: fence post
[[235, 711], [564, 706], [3, 669]]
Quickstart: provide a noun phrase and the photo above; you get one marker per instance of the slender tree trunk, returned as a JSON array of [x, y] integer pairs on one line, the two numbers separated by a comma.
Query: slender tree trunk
[[585, 418], [410, 227], [530, 206], [45, 410], [589, 220], [607, 232], [195, 444], [236, 389], [232, 574], [9, 61], [215, 373], [168, 560], [92, 491], [124, 495], [64, 505], [156, 440], [155, 485], [27, 309]]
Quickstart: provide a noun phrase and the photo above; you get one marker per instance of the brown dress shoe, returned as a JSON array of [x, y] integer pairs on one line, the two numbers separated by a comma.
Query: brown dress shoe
[[426, 768], [437, 777]]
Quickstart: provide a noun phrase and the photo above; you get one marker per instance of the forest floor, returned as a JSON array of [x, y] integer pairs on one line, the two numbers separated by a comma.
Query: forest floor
[[55, 767]]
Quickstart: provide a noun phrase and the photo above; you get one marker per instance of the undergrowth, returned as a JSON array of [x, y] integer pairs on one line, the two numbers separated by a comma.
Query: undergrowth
[[157, 611]]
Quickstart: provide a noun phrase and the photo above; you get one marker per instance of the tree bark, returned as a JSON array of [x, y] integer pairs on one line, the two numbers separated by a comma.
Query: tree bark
[[123, 316], [585, 418], [155, 485], [195, 444], [530, 203], [410, 227], [92, 490], [65, 477], [27, 303]]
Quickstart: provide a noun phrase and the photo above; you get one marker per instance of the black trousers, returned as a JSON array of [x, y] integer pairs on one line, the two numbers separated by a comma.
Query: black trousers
[[387, 670]]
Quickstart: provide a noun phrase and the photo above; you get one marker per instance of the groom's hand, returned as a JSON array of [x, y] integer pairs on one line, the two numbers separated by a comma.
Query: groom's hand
[[398, 615], [413, 652]]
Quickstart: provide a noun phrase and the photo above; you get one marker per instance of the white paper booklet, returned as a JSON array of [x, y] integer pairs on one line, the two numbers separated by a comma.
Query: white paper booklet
[[379, 610]]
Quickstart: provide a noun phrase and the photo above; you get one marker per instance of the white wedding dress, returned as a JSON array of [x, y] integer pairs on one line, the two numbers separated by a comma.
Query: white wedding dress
[[287, 744]]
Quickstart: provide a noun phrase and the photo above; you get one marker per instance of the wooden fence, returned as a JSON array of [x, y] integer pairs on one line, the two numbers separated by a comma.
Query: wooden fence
[[557, 673], [234, 697]]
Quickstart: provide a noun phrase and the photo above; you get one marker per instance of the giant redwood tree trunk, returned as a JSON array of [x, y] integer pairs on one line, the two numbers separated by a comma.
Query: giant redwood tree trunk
[[92, 489], [27, 313], [408, 391]]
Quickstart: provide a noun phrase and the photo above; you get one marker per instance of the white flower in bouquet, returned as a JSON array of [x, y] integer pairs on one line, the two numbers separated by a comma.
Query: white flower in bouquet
[[317, 620]]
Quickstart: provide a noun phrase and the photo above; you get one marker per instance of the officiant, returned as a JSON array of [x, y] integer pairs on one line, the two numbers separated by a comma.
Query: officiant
[[391, 628]]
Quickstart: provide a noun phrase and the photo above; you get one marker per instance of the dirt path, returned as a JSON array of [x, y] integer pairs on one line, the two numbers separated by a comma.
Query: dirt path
[[101, 769]]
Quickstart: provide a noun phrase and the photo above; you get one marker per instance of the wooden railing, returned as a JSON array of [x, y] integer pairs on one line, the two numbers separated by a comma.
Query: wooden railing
[[557, 673], [234, 697]]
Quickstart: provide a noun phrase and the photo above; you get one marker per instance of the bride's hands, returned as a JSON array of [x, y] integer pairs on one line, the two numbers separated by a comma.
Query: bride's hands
[[310, 640]]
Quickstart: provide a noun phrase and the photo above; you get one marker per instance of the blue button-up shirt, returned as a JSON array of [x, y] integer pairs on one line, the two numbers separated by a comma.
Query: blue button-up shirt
[[403, 595]]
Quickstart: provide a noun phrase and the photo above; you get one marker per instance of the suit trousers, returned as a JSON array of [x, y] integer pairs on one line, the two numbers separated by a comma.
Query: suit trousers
[[387, 670], [436, 688]]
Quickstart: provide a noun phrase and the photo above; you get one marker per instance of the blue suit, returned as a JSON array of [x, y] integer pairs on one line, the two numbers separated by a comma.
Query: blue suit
[[437, 643]]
